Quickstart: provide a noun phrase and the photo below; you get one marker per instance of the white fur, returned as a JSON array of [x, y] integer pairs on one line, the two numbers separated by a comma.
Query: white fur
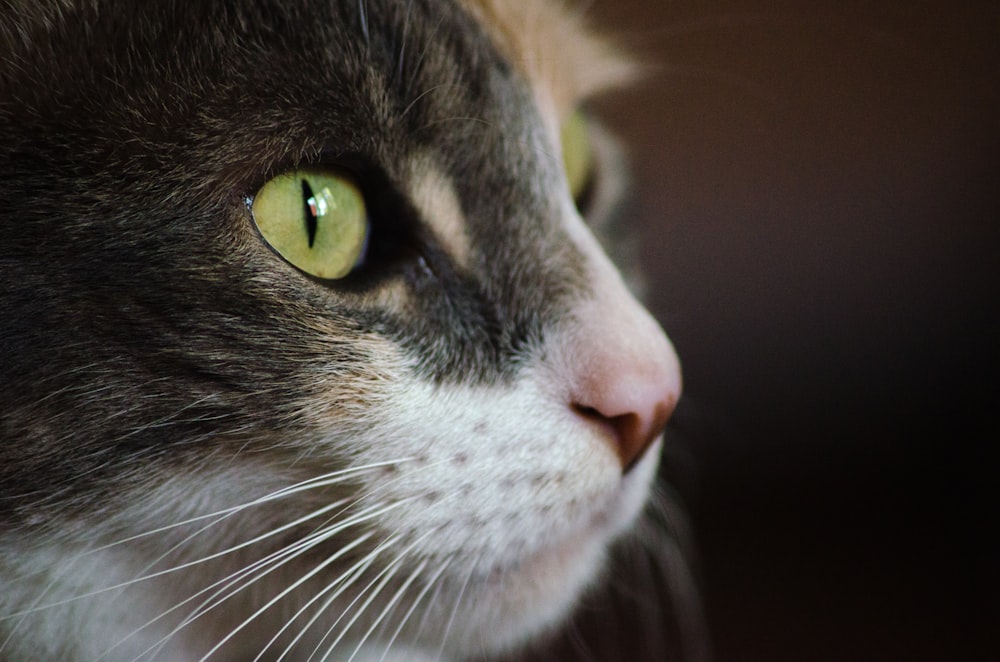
[[517, 494], [535, 495]]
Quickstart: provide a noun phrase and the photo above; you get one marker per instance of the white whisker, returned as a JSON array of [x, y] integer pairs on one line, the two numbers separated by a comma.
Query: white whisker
[[345, 581], [319, 595], [288, 589], [386, 574], [393, 602], [434, 600], [326, 480], [220, 515], [22, 616], [413, 606], [277, 560], [477, 120], [290, 549], [454, 611], [189, 564], [420, 96], [271, 562]]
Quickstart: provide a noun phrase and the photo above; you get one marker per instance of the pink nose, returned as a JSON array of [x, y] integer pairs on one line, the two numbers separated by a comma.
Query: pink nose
[[639, 424], [632, 402], [627, 379]]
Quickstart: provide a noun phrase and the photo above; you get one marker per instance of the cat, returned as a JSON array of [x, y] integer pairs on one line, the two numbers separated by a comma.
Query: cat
[[309, 350]]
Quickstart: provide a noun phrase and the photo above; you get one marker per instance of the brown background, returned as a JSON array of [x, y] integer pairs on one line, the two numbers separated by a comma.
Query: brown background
[[818, 203]]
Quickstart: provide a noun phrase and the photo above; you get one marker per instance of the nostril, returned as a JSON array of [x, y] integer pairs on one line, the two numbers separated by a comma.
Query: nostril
[[622, 374], [632, 433]]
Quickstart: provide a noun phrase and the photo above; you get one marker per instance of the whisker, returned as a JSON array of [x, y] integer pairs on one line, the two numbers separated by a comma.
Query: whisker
[[402, 45], [288, 589], [390, 606], [316, 482], [416, 68], [275, 561], [454, 611], [668, 550], [420, 96], [305, 543], [168, 419], [220, 515], [363, 11], [413, 606], [735, 82], [386, 574], [651, 609], [346, 580], [427, 612], [581, 649], [719, 23], [189, 564], [322, 593]]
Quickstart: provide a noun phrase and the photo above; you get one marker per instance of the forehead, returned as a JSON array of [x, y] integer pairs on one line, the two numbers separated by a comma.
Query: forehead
[[337, 44]]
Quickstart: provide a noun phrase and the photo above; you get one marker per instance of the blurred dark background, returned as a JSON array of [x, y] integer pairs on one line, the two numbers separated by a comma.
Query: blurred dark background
[[819, 204]]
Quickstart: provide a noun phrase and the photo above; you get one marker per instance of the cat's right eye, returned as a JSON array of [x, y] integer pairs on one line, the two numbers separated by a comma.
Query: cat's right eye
[[315, 218], [576, 154]]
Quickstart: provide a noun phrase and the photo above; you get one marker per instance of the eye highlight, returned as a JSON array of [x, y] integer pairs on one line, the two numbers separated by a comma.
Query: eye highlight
[[576, 154], [315, 218]]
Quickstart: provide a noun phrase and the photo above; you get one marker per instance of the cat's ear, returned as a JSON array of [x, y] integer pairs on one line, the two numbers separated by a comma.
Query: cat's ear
[[551, 44]]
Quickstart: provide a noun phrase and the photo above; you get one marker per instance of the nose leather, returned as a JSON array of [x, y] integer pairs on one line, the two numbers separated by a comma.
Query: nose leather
[[626, 376]]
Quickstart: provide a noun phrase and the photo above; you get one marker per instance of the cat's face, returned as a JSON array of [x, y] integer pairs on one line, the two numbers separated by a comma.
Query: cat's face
[[431, 444]]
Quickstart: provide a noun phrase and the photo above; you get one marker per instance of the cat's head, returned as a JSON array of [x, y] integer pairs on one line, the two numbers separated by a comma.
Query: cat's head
[[317, 271]]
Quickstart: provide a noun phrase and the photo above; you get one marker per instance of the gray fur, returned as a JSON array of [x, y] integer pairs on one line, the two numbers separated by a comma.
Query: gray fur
[[147, 331]]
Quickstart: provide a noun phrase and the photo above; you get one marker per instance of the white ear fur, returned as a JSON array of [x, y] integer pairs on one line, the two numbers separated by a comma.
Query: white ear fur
[[551, 45]]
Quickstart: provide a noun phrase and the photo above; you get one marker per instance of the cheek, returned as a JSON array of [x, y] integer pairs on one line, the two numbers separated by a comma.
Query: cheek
[[505, 459], [496, 476], [510, 489]]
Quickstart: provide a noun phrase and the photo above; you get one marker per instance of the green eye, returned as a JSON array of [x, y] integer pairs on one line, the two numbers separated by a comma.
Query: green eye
[[315, 218], [576, 153]]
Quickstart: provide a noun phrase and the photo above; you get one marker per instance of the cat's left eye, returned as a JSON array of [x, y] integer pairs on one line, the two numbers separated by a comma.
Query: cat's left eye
[[576, 154], [316, 219]]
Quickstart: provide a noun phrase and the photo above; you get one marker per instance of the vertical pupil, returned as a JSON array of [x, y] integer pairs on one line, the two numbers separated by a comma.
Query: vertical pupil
[[309, 199]]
